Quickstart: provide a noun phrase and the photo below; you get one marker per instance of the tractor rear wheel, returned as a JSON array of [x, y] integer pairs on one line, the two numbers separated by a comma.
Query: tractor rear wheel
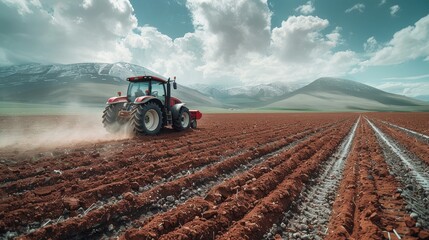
[[183, 121], [110, 118], [147, 119]]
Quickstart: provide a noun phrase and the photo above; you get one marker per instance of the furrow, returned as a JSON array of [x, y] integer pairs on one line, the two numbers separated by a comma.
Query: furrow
[[242, 172], [411, 172], [425, 137], [89, 198], [120, 160], [410, 142], [309, 216], [133, 205], [234, 207]]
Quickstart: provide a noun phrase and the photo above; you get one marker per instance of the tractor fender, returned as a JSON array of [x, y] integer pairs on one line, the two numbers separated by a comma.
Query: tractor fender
[[114, 100], [146, 99], [143, 99], [175, 110]]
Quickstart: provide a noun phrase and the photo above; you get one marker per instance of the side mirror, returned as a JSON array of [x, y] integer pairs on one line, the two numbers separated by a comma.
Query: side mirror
[[174, 85], [119, 94]]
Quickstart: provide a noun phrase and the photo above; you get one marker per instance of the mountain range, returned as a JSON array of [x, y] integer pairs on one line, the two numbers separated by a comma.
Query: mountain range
[[334, 94], [93, 83]]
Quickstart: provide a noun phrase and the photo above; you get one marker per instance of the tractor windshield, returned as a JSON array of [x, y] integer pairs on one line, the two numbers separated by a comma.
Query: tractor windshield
[[158, 91], [137, 89]]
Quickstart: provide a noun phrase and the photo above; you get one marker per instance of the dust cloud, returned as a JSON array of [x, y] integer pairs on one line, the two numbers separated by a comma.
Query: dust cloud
[[50, 131]]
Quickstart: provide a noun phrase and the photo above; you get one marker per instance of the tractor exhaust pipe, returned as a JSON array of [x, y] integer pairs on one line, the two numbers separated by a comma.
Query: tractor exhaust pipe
[[167, 98]]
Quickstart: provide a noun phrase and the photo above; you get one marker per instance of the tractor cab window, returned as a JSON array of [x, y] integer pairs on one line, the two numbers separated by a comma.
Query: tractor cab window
[[158, 90], [137, 89]]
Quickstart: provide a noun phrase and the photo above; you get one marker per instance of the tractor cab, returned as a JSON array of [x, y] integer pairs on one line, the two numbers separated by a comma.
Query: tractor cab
[[148, 106], [146, 86]]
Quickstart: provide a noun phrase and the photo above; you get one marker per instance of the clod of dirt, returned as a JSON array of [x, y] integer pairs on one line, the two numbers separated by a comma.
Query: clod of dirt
[[129, 196], [135, 186], [409, 221], [71, 203], [209, 214], [44, 190]]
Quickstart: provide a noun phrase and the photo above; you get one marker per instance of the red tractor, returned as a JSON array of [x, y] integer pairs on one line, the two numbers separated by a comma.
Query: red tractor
[[148, 107]]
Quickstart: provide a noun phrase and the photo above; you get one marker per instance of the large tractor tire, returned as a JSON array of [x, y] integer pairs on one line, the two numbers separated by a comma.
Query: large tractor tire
[[147, 119], [183, 121], [110, 118]]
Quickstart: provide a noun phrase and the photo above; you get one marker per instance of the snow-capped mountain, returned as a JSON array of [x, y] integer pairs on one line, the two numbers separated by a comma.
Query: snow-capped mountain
[[85, 83], [260, 90], [248, 95], [79, 71]]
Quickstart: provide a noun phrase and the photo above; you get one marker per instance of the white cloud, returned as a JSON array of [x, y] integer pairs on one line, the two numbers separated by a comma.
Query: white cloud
[[232, 43], [306, 9], [86, 3], [357, 7], [230, 28], [394, 9], [417, 77], [306, 51], [23, 6], [229, 31], [406, 88], [298, 39], [296, 51], [382, 2], [407, 44], [160, 53], [65, 31], [371, 45]]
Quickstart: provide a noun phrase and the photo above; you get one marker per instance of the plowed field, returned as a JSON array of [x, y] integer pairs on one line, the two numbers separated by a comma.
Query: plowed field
[[238, 176]]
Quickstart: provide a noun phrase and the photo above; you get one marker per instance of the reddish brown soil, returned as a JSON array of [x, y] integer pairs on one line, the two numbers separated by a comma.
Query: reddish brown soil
[[368, 205], [411, 143], [235, 197], [110, 189], [418, 122]]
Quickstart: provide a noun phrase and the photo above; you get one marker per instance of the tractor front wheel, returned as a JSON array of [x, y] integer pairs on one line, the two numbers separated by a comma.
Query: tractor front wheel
[[147, 119], [183, 121]]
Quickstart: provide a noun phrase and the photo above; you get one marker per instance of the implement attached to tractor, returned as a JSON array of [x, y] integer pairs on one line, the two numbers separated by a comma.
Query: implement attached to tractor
[[148, 107]]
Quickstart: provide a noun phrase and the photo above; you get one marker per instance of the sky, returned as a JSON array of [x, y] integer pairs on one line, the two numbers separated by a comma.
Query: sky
[[383, 43]]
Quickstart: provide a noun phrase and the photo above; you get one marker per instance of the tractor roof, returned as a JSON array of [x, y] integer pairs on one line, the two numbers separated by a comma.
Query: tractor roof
[[146, 78]]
